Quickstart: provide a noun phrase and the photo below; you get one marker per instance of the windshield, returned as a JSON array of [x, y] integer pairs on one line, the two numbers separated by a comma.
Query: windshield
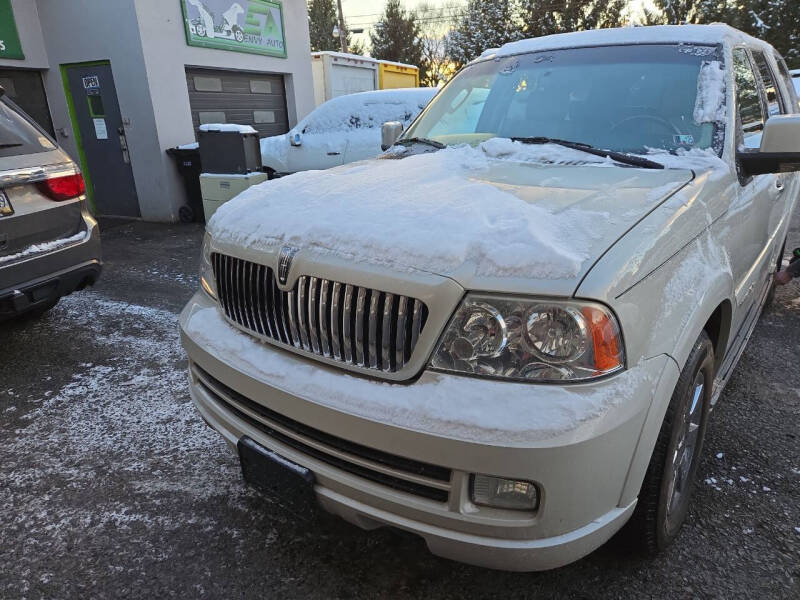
[[624, 98], [17, 135]]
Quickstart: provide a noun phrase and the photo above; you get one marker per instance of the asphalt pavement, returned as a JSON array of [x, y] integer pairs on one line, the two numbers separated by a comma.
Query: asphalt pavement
[[111, 486]]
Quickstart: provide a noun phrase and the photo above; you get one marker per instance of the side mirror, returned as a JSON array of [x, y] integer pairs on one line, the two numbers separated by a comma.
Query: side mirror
[[390, 131], [779, 151], [296, 138]]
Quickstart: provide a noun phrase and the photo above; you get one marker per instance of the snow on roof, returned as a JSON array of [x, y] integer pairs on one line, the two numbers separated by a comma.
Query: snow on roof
[[717, 33], [388, 105], [343, 56], [227, 127]]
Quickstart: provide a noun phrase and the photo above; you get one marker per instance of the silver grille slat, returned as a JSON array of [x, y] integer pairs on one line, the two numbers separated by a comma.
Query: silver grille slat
[[346, 316], [312, 315], [324, 342], [360, 306], [357, 325], [400, 340], [335, 335], [301, 312], [373, 331], [386, 335]]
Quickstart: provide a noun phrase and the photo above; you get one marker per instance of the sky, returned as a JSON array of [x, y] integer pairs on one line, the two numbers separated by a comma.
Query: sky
[[364, 13]]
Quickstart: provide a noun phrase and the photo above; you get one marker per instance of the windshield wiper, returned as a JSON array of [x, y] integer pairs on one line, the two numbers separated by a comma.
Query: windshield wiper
[[421, 140], [627, 159]]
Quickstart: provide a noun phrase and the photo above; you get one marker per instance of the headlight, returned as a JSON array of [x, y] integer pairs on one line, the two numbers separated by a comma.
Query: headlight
[[530, 340], [206, 270]]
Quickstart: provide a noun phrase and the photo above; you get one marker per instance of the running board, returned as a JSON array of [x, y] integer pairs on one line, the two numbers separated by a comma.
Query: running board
[[733, 356]]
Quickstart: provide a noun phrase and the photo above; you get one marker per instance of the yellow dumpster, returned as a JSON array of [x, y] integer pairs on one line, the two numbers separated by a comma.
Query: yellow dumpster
[[392, 75]]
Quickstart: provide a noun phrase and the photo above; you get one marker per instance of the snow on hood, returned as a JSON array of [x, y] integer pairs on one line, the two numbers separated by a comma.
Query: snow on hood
[[491, 209]]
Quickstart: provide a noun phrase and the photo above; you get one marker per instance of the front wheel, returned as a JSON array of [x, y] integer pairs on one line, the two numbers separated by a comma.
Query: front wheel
[[667, 487]]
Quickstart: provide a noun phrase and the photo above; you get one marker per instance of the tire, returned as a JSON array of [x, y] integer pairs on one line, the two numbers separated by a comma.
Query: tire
[[201, 30], [238, 35], [667, 488]]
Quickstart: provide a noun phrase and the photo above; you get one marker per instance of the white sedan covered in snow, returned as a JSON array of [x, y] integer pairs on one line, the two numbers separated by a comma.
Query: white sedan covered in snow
[[506, 333], [342, 130]]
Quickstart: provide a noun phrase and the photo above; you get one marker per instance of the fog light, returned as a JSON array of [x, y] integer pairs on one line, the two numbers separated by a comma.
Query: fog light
[[504, 493]]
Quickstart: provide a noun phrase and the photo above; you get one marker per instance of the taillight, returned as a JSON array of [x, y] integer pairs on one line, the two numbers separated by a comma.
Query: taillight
[[64, 187]]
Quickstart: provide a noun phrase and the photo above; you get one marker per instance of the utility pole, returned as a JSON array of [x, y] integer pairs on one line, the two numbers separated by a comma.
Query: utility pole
[[342, 32]]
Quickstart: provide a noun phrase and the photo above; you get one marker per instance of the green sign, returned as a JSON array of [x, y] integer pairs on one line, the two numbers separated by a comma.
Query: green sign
[[9, 38], [254, 26]]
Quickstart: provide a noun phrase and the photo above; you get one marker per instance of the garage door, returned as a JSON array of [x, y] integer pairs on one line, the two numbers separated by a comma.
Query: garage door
[[256, 99], [25, 88]]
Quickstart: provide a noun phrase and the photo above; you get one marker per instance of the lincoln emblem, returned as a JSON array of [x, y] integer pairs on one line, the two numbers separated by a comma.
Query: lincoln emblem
[[285, 262]]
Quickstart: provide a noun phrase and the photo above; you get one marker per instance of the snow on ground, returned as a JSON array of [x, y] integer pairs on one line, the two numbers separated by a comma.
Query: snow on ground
[[364, 212], [128, 414], [45, 247], [448, 405]]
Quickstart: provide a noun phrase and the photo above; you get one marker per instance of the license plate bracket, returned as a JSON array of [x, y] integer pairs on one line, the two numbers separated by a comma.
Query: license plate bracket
[[272, 472]]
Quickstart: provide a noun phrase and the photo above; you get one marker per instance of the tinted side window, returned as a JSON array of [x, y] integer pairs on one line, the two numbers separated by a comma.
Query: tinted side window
[[18, 136], [773, 95], [794, 104], [748, 100]]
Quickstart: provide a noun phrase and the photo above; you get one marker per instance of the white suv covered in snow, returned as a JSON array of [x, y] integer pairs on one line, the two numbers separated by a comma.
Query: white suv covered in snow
[[506, 334], [343, 130]]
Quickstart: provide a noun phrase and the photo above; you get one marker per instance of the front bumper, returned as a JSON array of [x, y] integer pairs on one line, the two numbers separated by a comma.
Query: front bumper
[[318, 416], [37, 280]]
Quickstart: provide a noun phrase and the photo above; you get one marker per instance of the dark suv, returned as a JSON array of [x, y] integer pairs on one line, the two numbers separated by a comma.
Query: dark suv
[[49, 242]]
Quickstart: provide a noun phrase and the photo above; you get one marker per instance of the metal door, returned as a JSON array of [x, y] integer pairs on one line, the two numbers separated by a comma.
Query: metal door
[[102, 138]]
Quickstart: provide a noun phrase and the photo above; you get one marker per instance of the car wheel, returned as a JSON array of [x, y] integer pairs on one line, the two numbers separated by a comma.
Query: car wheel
[[238, 35], [664, 498], [201, 31]]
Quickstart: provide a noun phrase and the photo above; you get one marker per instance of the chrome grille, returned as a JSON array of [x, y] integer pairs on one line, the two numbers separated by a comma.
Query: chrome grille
[[351, 324]]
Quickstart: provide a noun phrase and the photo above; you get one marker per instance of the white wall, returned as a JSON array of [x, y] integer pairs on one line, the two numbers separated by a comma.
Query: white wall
[[145, 42], [167, 54], [90, 30], [30, 36]]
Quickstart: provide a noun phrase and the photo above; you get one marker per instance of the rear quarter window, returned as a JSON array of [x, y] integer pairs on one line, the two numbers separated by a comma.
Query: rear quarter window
[[18, 135]]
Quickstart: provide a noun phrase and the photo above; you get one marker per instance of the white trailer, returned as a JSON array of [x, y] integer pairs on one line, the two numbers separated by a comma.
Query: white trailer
[[337, 74]]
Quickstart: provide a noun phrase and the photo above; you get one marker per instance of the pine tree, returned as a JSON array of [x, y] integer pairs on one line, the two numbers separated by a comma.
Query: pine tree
[[321, 21], [677, 12], [322, 18], [544, 17], [775, 21], [484, 24], [396, 35]]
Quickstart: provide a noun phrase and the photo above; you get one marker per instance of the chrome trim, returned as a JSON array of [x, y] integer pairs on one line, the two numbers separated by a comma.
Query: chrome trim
[[348, 342], [335, 334], [301, 312], [400, 343], [372, 326], [386, 334], [313, 315], [360, 305], [324, 341], [34, 174], [367, 331]]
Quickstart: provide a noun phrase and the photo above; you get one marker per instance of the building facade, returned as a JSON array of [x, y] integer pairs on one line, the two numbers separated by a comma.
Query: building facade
[[118, 83]]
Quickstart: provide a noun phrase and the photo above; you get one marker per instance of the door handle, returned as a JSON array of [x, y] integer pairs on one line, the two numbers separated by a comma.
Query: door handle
[[334, 153]]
